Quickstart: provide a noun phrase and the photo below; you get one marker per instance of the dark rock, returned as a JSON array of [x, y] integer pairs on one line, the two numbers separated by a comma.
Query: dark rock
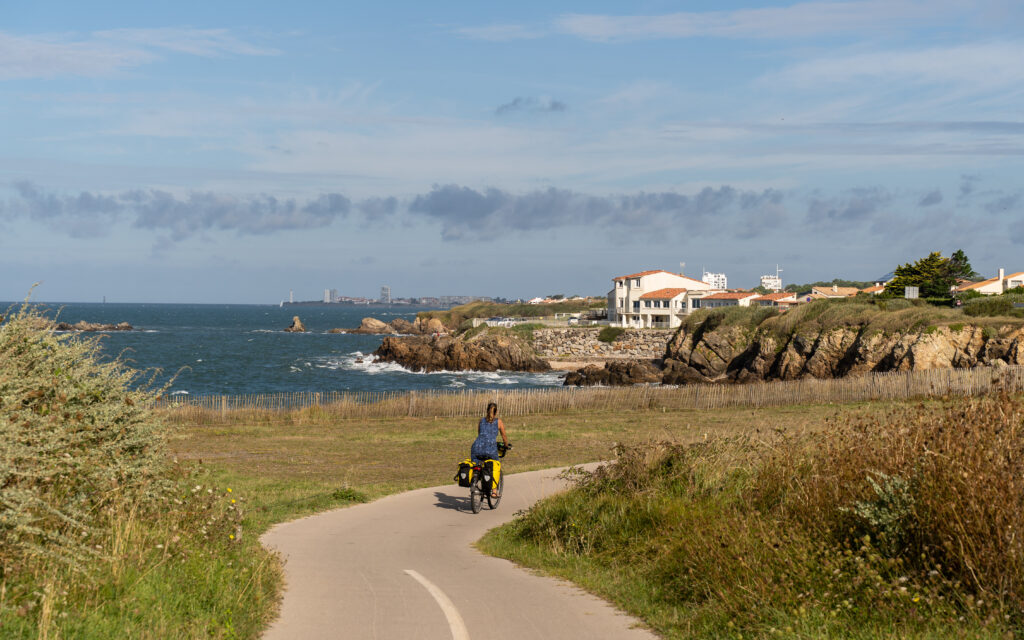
[[615, 373], [444, 353], [82, 325]]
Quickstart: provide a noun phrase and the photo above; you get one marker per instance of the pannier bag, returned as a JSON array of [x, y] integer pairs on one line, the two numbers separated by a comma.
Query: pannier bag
[[465, 474], [492, 473]]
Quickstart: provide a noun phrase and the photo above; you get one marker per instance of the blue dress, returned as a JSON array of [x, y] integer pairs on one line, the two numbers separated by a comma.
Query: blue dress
[[486, 444]]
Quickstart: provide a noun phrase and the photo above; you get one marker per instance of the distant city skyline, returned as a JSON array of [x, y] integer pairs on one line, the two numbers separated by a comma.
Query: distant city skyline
[[220, 152]]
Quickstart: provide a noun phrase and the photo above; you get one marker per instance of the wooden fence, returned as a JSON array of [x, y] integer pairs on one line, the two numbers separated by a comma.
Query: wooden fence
[[521, 402]]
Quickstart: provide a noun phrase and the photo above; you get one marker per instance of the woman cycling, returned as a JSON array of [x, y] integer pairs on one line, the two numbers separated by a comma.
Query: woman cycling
[[485, 447]]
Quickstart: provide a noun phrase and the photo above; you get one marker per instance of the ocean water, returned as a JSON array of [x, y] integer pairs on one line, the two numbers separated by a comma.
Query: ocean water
[[235, 349]]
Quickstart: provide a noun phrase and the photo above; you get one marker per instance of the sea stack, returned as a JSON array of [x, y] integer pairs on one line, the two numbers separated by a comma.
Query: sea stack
[[297, 326]]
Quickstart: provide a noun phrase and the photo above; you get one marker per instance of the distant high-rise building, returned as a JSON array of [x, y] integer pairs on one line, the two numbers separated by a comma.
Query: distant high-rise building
[[385, 295], [772, 282], [291, 296], [327, 295], [716, 280]]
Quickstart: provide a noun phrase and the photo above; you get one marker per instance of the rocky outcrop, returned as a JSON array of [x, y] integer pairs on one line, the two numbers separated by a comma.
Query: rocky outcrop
[[82, 325], [398, 326], [617, 373], [445, 353], [296, 326], [737, 354]]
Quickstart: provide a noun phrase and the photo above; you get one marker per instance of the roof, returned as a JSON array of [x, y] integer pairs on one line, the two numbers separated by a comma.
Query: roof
[[662, 294], [830, 292], [983, 283], [730, 296], [779, 295], [875, 289], [653, 271]]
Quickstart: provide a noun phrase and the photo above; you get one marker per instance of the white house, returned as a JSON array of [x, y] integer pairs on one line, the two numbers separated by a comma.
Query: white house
[[654, 298], [998, 285], [782, 299], [728, 299]]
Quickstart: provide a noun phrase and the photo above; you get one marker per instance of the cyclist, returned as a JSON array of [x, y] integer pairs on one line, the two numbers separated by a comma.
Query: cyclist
[[485, 447]]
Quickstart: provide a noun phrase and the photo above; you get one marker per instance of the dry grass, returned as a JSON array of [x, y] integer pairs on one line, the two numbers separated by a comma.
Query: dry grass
[[896, 523]]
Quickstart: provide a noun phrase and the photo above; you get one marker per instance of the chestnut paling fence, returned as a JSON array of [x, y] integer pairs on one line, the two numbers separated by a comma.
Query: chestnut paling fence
[[443, 403]]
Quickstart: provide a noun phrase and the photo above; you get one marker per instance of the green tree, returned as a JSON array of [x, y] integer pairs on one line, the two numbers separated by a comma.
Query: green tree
[[934, 275]]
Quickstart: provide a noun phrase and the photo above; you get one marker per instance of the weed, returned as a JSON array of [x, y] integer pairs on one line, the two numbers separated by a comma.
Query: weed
[[610, 334]]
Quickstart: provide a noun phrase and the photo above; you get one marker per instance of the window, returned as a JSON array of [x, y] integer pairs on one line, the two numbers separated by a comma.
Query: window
[[647, 303], [620, 302], [636, 305], [696, 303], [636, 282], [619, 283]]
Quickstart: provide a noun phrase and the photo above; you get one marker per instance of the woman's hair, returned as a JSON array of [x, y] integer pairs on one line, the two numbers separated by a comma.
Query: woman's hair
[[492, 411]]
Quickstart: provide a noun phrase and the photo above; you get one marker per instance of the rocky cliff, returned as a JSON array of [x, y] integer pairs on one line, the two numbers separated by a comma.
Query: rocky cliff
[[738, 355], [445, 353], [420, 327]]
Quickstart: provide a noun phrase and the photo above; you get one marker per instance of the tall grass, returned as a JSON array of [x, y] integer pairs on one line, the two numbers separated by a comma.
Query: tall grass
[[903, 525]]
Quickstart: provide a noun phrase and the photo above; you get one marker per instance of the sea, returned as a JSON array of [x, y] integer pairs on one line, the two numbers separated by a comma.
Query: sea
[[228, 349]]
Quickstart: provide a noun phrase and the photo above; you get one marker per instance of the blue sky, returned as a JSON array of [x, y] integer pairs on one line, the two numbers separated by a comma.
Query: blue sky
[[228, 151]]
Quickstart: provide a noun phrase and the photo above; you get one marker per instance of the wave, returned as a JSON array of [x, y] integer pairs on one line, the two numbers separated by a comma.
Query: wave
[[370, 364]]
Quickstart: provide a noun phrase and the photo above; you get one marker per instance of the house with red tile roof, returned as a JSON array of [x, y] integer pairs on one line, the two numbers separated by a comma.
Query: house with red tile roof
[[728, 299], [654, 299], [781, 299], [836, 291], [995, 286]]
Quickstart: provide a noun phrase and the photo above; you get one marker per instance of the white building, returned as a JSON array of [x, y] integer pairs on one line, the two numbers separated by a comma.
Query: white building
[[772, 283], [998, 285], [728, 299], [716, 280], [655, 298], [385, 295]]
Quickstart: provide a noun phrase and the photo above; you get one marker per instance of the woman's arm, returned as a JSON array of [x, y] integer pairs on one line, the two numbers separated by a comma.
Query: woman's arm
[[501, 430]]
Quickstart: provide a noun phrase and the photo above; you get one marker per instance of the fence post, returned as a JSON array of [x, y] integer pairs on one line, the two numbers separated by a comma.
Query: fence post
[[223, 406]]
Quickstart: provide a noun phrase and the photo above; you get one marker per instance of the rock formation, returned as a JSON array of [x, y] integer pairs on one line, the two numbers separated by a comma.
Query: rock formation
[[82, 325], [445, 353], [400, 326], [738, 354], [615, 373], [296, 326]]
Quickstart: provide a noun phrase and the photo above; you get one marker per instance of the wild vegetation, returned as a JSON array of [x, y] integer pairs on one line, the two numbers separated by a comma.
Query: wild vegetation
[[905, 524], [456, 317], [101, 534]]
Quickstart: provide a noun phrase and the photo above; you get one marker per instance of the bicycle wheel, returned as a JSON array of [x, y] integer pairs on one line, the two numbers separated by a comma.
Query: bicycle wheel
[[493, 502], [476, 501]]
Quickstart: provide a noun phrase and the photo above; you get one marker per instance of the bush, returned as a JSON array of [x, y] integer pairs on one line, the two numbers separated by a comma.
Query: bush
[[75, 439], [610, 334], [994, 306]]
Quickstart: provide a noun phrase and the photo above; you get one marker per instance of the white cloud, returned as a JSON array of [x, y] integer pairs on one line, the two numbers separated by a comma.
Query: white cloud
[[807, 19], [500, 32], [105, 52]]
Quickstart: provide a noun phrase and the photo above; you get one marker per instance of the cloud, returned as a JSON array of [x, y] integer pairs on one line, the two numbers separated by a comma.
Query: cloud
[[967, 185], [856, 207], [978, 66], [206, 43], [535, 105], [500, 32], [181, 216], [1003, 204], [105, 52], [930, 198], [801, 20], [464, 212]]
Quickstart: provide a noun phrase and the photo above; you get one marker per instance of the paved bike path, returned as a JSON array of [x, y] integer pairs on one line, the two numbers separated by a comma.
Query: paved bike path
[[403, 567]]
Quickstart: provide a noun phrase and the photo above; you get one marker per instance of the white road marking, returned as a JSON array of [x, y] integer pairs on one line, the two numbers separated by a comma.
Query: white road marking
[[458, 627]]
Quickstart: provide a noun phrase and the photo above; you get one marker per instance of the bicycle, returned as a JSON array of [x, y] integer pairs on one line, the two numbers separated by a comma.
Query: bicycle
[[476, 488]]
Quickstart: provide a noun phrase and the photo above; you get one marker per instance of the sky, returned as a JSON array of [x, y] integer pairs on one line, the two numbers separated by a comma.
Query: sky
[[235, 151]]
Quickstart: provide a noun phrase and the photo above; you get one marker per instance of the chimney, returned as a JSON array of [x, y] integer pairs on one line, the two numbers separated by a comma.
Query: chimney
[[835, 289], [1002, 281]]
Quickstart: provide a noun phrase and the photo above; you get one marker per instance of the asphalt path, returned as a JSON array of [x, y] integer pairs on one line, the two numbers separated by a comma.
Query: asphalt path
[[403, 567]]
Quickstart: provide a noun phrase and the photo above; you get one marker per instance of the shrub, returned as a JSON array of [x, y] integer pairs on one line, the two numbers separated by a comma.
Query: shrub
[[610, 334], [75, 439]]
